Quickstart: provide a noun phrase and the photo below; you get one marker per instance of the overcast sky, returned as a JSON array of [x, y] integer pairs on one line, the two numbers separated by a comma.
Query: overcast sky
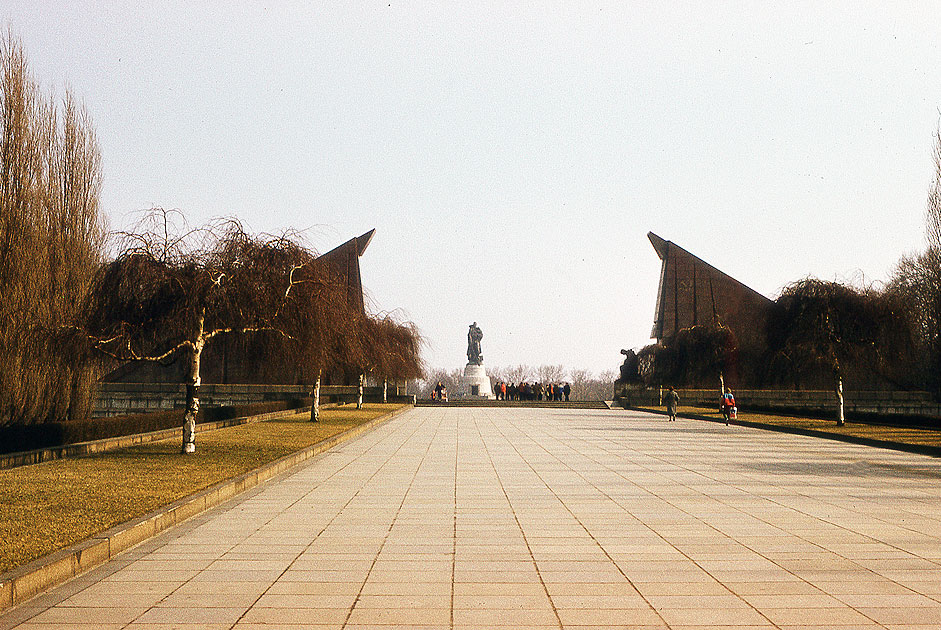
[[513, 156]]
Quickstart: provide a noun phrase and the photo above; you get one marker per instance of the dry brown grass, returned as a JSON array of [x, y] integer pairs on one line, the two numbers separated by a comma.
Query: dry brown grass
[[901, 435], [53, 505]]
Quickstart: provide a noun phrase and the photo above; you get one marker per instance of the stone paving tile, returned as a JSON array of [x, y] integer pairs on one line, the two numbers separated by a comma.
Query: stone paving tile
[[399, 617], [505, 617], [190, 615], [294, 616], [610, 618], [493, 518], [68, 615]]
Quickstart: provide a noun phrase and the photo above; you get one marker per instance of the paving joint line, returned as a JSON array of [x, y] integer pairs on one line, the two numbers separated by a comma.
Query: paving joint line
[[457, 456], [398, 511], [322, 530], [756, 552], [578, 520], [802, 538], [715, 529], [529, 548]]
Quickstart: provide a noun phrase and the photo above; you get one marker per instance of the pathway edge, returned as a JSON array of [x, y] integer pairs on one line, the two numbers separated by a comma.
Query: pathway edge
[[918, 449], [31, 579]]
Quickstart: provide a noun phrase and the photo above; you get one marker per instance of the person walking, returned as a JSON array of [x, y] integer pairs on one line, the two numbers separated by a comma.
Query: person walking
[[672, 399], [727, 404]]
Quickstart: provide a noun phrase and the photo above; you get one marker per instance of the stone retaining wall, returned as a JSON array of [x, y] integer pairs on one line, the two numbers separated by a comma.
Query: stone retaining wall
[[811, 401], [117, 399]]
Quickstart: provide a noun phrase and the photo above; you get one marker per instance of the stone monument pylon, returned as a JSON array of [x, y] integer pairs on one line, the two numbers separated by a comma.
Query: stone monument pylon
[[476, 383]]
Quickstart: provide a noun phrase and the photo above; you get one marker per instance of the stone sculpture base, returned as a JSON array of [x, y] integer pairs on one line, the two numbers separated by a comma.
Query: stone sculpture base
[[476, 383]]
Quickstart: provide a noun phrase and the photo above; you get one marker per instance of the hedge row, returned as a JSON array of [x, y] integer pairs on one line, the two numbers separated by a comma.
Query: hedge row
[[17, 438]]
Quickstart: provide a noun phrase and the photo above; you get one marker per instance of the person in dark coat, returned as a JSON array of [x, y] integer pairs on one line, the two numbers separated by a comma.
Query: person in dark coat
[[672, 400]]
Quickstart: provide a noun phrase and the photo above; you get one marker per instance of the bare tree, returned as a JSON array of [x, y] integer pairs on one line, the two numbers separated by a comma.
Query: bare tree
[[518, 373], [916, 286], [550, 373], [497, 374], [826, 325], [51, 237], [451, 379], [587, 386], [918, 277], [393, 350], [323, 329], [174, 289], [933, 209], [607, 377], [580, 379]]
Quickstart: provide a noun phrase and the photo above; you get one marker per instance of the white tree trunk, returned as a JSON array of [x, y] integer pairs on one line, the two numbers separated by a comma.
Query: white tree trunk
[[315, 403], [192, 395], [841, 419], [359, 393], [385, 391], [721, 384]]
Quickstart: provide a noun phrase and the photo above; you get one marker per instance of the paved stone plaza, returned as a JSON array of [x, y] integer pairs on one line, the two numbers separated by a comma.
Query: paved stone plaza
[[526, 518]]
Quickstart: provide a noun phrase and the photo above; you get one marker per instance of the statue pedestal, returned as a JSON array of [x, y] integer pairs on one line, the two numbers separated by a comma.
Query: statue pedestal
[[476, 383]]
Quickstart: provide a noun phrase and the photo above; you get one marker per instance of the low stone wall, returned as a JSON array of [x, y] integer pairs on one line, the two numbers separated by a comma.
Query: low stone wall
[[916, 404], [117, 399]]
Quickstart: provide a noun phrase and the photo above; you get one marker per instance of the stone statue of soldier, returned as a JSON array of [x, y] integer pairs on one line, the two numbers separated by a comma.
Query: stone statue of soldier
[[474, 355]]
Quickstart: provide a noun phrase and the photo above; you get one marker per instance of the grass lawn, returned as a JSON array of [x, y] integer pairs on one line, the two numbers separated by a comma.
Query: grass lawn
[[903, 435], [49, 506]]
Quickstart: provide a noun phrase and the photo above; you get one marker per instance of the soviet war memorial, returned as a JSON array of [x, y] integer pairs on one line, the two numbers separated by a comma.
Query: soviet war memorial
[[530, 316]]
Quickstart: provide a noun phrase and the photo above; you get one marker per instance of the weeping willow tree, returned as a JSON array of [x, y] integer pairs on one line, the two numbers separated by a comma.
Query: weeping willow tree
[[323, 331], [173, 289], [51, 238], [819, 327], [392, 350]]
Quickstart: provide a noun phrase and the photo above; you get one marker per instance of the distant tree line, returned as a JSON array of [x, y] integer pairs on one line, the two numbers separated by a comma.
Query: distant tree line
[[69, 312], [585, 384]]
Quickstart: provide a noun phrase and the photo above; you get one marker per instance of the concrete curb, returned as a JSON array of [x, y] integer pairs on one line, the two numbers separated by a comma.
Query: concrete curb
[[918, 449], [27, 581]]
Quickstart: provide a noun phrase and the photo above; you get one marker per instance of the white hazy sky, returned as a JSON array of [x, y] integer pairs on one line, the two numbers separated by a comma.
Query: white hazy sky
[[512, 156]]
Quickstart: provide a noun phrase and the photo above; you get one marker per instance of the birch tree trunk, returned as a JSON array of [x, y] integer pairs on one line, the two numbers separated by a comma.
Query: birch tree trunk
[[359, 393], [385, 391], [721, 384], [841, 419], [192, 394], [315, 403]]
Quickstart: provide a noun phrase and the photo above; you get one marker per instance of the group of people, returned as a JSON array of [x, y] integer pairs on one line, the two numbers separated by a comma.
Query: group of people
[[726, 404], [439, 393], [532, 391]]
